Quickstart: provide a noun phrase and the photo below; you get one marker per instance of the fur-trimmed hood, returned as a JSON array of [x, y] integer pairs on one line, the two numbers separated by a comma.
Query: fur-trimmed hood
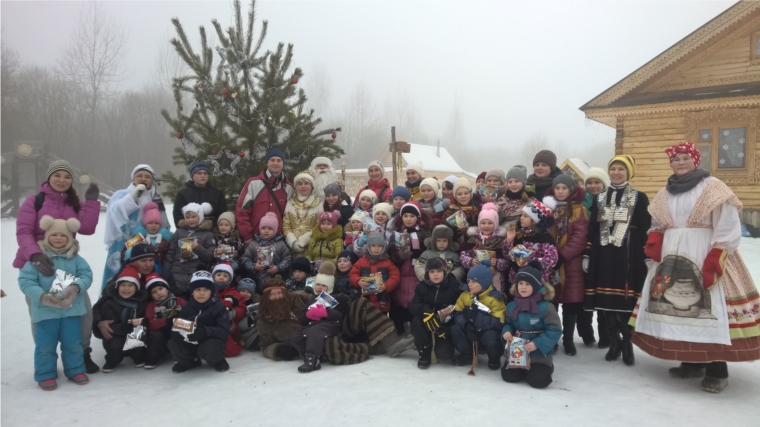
[[548, 293], [207, 224], [70, 253], [318, 234], [441, 232]]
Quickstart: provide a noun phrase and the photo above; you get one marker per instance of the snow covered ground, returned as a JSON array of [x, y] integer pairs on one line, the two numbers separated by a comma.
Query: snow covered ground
[[382, 391]]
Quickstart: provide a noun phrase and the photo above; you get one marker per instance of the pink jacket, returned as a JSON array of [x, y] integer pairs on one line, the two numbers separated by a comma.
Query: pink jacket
[[28, 230]]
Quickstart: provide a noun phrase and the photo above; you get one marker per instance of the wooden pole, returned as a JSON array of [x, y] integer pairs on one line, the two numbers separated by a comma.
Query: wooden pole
[[393, 155]]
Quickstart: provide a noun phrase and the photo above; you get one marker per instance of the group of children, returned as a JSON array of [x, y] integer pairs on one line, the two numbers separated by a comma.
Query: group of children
[[459, 268]]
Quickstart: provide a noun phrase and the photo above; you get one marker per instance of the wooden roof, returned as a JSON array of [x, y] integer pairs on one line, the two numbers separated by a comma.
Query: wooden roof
[[706, 40]]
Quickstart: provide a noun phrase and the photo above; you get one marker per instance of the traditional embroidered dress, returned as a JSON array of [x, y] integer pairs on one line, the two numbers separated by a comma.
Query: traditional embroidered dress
[[677, 318], [300, 217], [618, 226]]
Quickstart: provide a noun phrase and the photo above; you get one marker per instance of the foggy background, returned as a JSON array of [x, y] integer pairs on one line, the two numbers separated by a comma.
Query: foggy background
[[492, 81]]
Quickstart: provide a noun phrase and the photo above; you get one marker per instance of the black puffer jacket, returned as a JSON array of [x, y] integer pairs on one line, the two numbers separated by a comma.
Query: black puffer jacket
[[429, 297], [206, 194], [211, 315], [108, 309]]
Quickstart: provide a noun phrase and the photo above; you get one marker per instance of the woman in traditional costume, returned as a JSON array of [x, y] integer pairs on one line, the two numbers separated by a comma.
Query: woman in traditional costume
[[699, 305], [618, 225]]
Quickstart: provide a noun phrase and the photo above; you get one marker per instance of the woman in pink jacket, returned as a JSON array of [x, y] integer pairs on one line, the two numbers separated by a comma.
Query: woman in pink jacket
[[58, 198]]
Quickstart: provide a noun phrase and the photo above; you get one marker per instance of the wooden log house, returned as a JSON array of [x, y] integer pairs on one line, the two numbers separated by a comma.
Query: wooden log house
[[704, 89]]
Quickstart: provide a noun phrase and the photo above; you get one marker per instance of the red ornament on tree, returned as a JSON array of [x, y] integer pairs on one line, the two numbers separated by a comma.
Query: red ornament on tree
[[334, 135], [241, 154], [225, 91], [294, 80], [200, 85], [213, 151], [179, 136]]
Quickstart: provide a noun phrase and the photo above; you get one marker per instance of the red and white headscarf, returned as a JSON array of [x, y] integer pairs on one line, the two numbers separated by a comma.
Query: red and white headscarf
[[685, 148]]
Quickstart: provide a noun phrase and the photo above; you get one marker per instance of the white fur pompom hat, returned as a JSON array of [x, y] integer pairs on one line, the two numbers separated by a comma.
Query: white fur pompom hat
[[201, 210]]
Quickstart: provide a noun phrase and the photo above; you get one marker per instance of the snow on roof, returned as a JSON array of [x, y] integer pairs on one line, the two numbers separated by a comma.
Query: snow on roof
[[580, 164], [431, 161], [364, 170]]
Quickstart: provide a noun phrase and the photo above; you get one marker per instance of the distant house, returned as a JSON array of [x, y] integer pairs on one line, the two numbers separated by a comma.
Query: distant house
[[436, 161], [704, 89], [576, 168]]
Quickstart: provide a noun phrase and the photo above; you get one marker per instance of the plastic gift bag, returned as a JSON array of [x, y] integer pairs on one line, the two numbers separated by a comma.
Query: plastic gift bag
[[517, 356], [374, 280], [265, 255], [483, 255], [186, 246], [521, 255], [135, 338], [61, 281], [326, 300], [457, 220]]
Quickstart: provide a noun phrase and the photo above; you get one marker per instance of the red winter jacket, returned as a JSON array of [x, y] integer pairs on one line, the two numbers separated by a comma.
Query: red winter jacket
[[571, 251], [157, 323], [391, 277], [233, 300], [255, 200], [381, 188]]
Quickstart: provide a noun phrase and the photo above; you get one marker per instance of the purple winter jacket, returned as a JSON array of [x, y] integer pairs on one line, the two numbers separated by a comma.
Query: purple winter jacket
[[28, 230]]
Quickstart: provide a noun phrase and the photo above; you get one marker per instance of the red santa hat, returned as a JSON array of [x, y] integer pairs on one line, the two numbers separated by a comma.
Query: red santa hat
[[129, 274], [154, 279]]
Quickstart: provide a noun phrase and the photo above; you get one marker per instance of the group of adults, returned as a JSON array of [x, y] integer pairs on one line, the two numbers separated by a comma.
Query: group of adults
[[693, 241]]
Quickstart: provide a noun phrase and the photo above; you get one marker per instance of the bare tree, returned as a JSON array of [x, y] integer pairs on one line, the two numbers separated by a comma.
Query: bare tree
[[169, 66], [319, 88], [532, 146], [93, 58], [454, 139]]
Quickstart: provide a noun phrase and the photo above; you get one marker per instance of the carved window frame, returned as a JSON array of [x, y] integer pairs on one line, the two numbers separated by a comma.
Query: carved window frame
[[728, 118]]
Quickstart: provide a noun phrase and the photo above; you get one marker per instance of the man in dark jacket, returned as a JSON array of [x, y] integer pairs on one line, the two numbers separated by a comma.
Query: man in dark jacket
[[433, 302], [199, 190], [210, 330]]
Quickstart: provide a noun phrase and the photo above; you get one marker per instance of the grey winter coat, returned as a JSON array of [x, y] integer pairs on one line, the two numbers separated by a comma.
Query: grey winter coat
[[282, 258], [181, 270]]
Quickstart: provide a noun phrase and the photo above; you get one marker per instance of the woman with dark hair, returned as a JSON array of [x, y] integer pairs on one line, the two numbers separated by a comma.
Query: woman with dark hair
[[58, 198], [124, 214]]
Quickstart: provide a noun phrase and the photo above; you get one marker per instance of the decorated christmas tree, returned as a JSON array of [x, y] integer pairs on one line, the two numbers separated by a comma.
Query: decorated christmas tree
[[243, 103]]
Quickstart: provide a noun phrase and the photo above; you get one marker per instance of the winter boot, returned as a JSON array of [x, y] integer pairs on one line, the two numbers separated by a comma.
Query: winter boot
[[424, 360], [79, 379], [585, 330], [568, 328], [396, 344], [222, 366], [601, 325], [494, 363], [48, 385], [462, 359], [89, 366], [713, 385], [310, 363], [616, 344], [688, 370], [109, 367], [178, 369], [627, 347]]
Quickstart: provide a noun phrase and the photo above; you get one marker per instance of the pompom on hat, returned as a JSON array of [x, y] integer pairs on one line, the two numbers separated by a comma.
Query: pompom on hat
[[332, 216], [326, 275], [154, 279], [489, 211], [201, 210], [538, 211], [685, 148]]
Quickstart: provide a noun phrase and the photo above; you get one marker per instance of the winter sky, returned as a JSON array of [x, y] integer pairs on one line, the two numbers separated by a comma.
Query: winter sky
[[518, 67]]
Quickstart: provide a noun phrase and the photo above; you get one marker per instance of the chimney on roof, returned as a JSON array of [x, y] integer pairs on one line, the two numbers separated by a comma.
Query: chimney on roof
[[438, 151]]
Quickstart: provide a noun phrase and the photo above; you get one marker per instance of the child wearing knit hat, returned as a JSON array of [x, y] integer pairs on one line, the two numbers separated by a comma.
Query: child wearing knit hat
[[381, 217], [326, 238], [400, 196], [346, 261], [154, 233], [596, 181], [532, 317], [229, 244], [367, 199], [56, 312], [441, 244], [354, 229], [464, 200], [515, 194], [431, 201], [162, 308], [376, 260], [486, 240], [531, 239], [478, 318], [301, 269], [223, 277], [192, 245], [324, 320], [267, 237], [414, 176]]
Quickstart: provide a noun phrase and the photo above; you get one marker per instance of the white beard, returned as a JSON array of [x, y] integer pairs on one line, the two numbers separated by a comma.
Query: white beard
[[322, 180]]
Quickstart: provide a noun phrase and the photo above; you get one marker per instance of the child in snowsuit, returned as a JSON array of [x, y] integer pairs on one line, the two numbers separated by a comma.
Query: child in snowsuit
[[431, 307], [532, 317], [571, 236], [57, 318], [487, 236], [533, 233], [155, 234], [126, 309], [192, 246], [247, 325], [160, 312], [441, 244], [301, 270], [229, 245], [267, 236], [234, 303], [326, 238], [346, 261], [320, 322], [376, 260], [478, 318], [354, 229], [416, 225], [211, 328]]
